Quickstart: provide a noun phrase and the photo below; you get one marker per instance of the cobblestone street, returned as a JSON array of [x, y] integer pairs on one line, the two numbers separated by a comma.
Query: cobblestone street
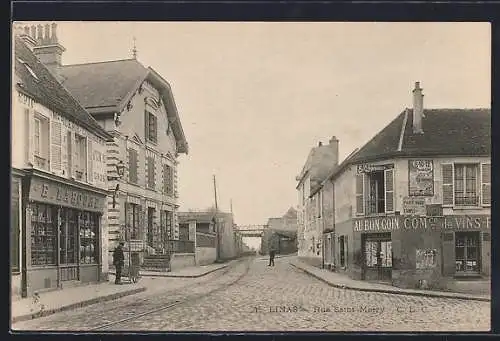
[[250, 296]]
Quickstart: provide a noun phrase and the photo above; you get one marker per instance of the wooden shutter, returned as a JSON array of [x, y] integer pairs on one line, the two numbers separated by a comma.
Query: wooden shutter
[[485, 184], [389, 190], [91, 163], [448, 195], [359, 194], [151, 172], [155, 129], [56, 147], [132, 167], [146, 125], [346, 249], [70, 147], [29, 133]]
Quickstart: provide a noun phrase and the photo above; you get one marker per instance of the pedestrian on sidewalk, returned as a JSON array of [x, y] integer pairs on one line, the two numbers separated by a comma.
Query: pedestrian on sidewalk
[[118, 262], [272, 253]]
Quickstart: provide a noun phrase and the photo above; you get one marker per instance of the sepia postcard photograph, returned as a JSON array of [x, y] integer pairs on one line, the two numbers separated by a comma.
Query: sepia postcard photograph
[[250, 176]]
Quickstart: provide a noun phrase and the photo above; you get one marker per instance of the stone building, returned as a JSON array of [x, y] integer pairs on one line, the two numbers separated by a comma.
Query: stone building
[[281, 232], [58, 167], [136, 105], [412, 206], [318, 165]]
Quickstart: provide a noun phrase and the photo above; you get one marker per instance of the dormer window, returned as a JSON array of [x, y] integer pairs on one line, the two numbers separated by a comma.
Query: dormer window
[[30, 70]]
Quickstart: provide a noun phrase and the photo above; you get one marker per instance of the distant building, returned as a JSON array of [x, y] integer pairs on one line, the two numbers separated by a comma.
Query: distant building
[[281, 233], [59, 183], [319, 164]]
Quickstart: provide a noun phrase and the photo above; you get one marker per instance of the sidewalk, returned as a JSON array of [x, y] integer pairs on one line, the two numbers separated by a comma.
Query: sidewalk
[[344, 282], [52, 302], [188, 272]]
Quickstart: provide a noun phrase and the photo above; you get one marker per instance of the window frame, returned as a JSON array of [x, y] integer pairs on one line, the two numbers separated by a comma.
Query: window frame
[[151, 127]]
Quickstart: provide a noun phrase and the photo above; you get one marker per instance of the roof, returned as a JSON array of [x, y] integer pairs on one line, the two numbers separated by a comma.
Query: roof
[[200, 217], [40, 84], [106, 87], [446, 132], [318, 164]]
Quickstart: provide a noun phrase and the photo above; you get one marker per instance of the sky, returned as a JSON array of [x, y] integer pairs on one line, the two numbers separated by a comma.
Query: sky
[[254, 98]]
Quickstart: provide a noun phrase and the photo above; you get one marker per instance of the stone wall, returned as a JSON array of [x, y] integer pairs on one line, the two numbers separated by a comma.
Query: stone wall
[[181, 260], [205, 255]]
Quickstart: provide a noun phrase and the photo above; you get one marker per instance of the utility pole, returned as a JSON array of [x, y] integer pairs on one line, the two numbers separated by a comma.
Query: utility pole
[[231, 205], [217, 220]]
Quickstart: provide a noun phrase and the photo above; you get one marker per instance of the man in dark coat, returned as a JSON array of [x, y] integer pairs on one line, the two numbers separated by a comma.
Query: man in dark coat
[[272, 253], [118, 261]]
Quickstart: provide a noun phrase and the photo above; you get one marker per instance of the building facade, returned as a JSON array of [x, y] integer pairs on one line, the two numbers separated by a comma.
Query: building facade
[[59, 183], [321, 160], [412, 206], [281, 233], [136, 105]]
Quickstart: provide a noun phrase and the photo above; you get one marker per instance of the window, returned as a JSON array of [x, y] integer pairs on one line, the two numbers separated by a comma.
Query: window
[[378, 253], [168, 181], [151, 172], [151, 127], [467, 252], [89, 238], [466, 185], [170, 225], [56, 146], [342, 251], [132, 166], [319, 204], [80, 158], [43, 234], [133, 213], [14, 227], [41, 142], [375, 192]]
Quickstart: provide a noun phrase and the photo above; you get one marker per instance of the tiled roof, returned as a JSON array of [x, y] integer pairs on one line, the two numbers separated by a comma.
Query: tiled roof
[[200, 217], [104, 84], [106, 87], [38, 82]]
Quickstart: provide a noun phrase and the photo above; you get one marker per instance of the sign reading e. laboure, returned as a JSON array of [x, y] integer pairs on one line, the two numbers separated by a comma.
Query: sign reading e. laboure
[[61, 194]]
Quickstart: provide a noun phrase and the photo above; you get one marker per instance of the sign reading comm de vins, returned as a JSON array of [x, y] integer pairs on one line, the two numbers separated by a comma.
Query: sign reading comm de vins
[[421, 177], [60, 194], [394, 223]]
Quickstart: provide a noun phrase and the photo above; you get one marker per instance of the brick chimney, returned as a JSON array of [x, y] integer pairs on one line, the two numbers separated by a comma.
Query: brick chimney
[[418, 109], [24, 32], [334, 144], [42, 39]]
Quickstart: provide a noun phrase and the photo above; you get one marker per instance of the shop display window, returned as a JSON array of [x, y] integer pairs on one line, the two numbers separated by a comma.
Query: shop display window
[[44, 220]]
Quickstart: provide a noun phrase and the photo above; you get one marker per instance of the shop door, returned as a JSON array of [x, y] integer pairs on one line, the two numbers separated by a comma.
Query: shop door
[[151, 212], [467, 251], [378, 257]]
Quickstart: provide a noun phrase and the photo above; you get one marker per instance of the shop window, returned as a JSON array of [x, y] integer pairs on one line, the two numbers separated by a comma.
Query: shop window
[[133, 213], [89, 237], [467, 252], [43, 234], [378, 253], [14, 228], [466, 185], [68, 232]]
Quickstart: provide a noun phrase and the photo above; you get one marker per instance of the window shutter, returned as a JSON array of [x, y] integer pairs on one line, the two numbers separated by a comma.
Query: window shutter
[[155, 130], [56, 147], [346, 249], [76, 153], [389, 190], [29, 134], [448, 195], [132, 165], [90, 157], [146, 125], [359, 194], [69, 156], [486, 184]]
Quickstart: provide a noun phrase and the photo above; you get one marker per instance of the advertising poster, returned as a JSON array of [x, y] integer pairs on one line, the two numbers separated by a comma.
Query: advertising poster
[[421, 177]]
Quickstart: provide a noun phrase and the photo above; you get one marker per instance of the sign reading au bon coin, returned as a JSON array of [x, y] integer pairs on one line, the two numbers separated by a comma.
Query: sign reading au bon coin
[[395, 223]]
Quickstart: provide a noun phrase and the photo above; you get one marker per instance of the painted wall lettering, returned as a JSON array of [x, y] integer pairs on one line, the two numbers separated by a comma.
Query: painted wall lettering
[[377, 224]]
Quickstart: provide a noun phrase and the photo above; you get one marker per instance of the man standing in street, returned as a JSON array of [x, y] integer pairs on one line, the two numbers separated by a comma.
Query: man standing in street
[[118, 261], [272, 252]]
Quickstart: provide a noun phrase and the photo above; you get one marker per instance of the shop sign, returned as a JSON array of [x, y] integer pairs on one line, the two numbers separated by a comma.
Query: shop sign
[[392, 223], [414, 206], [377, 224], [368, 168], [452, 222], [421, 177], [60, 194]]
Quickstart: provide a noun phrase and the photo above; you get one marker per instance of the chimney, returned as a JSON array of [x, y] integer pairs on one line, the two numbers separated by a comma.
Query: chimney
[[24, 32], [334, 144], [48, 50], [418, 109]]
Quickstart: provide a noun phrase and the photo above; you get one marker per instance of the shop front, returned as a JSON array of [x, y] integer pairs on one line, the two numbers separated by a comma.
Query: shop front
[[62, 225], [413, 251]]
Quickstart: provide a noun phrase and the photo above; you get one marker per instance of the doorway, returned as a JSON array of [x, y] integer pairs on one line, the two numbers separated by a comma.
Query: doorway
[[150, 238], [377, 251]]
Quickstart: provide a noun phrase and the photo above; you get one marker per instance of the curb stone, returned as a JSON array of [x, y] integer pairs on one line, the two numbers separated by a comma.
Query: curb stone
[[160, 274], [92, 301], [395, 292]]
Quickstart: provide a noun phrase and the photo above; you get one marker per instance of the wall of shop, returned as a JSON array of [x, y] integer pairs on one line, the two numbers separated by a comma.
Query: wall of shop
[[205, 255]]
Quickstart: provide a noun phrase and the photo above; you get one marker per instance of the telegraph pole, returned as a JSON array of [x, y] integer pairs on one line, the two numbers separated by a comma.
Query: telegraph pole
[[217, 220]]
